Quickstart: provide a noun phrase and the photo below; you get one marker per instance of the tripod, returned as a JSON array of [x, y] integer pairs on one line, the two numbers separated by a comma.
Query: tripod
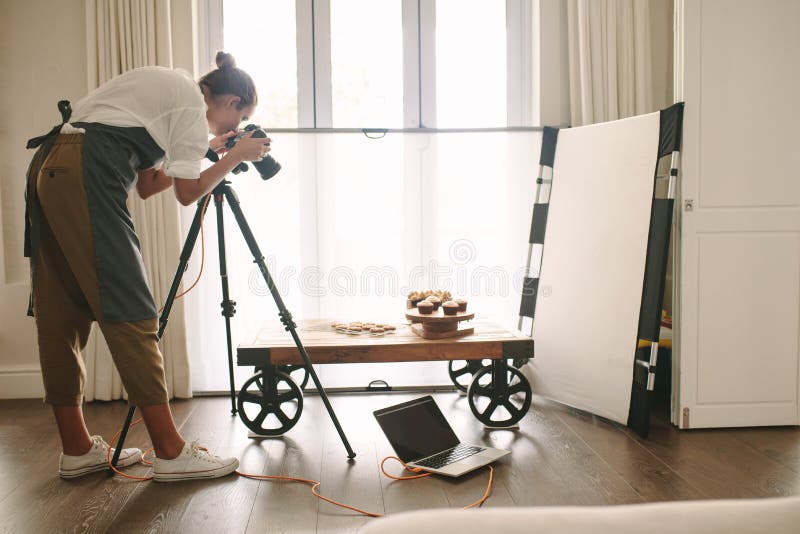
[[220, 193]]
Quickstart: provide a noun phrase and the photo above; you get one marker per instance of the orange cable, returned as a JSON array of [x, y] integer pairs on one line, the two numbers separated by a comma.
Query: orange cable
[[111, 466], [314, 483], [202, 253]]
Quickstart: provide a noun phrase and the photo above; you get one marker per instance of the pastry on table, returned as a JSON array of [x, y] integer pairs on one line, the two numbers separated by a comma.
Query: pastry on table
[[450, 308], [435, 300], [425, 307], [462, 304]]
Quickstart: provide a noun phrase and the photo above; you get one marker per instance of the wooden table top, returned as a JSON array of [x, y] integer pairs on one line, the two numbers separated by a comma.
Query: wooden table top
[[326, 345]]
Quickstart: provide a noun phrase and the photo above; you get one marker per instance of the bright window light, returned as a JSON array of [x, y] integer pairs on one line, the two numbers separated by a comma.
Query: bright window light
[[470, 64], [367, 63], [262, 37]]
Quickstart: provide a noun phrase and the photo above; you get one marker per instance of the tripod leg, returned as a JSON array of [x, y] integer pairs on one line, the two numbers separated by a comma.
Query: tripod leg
[[228, 306], [186, 253], [122, 435], [285, 315]]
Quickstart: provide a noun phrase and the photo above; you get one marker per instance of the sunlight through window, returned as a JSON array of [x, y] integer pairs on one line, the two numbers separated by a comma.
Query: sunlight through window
[[367, 63], [470, 64], [262, 37]]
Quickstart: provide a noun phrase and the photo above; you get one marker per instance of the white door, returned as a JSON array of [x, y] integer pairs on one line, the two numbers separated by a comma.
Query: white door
[[740, 212]]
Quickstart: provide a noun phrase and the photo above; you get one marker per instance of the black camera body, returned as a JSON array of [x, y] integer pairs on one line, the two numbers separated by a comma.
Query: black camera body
[[267, 167]]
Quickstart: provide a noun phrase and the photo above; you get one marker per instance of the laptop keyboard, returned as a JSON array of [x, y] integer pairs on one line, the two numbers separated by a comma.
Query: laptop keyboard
[[437, 461]]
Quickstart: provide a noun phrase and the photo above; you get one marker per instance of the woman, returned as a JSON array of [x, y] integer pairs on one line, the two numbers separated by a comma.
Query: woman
[[149, 126]]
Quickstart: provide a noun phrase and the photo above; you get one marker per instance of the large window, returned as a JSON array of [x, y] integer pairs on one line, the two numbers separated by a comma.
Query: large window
[[382, 63], [352, 223]]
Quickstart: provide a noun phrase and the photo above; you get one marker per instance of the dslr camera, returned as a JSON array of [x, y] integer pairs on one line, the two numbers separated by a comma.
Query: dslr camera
[[267, 167]]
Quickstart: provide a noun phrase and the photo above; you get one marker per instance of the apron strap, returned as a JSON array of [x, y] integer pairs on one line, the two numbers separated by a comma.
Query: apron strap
[[66, 112], [46, 143]]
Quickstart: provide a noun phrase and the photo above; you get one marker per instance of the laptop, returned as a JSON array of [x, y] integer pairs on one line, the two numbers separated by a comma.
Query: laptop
[[422, 437]]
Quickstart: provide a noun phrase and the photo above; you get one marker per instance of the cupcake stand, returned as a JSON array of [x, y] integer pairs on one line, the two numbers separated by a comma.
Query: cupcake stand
[[437, 325]]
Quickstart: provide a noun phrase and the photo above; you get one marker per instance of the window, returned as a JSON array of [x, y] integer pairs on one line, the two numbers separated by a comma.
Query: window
[[470, 64], [382, 63], [351, 224], [366, 63], [261, 36]]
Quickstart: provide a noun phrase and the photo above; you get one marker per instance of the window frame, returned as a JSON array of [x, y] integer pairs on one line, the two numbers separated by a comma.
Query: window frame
[[314, 102]]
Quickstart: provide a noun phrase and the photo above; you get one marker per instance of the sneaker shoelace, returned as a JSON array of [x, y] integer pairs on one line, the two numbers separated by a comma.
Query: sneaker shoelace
[[100, 442], [201, 453]]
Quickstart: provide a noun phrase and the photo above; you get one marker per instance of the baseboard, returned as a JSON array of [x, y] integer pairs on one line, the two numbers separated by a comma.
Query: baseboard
[[21, 382]]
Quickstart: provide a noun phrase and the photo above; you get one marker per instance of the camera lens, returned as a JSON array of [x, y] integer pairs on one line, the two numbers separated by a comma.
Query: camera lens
[[267, 167]]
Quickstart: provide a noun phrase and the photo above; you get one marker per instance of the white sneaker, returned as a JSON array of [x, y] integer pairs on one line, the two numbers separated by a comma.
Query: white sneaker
[[95, 460], [193, 462]]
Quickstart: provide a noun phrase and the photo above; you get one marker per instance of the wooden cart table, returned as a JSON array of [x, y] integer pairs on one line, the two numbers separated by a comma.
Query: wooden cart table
[[271, 401]]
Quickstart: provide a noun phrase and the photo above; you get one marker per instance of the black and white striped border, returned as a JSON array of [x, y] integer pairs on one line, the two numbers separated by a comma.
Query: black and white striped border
[[544, 183]]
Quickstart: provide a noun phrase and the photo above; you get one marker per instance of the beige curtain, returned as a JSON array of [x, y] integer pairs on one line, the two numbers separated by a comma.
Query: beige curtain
[[609, 59], [122, 35]]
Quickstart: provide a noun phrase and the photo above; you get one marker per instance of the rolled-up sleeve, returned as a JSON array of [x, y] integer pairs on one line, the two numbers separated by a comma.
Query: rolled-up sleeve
[[188, 143]]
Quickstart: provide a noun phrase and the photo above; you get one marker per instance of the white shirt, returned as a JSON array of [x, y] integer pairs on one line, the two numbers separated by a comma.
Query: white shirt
[[168, 103]]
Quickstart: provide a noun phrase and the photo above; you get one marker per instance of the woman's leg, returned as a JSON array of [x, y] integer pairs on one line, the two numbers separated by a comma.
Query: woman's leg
[[134, 347], [167, 442], [63, 323], [75, 439]]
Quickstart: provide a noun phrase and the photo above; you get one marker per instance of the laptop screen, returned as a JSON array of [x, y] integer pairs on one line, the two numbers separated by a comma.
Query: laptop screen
[[416, 429]]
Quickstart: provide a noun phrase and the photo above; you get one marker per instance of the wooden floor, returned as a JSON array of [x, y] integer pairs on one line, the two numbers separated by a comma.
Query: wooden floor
[[559, 456]]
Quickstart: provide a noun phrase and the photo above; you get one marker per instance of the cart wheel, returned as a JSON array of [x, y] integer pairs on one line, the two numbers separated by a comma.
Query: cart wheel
[[499, 404], [299, 374], [270, 409], [462, 371]]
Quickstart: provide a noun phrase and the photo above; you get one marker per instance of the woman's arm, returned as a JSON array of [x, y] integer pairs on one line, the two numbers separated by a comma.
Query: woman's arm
[[188, 190], [152, 182], [246, 149]]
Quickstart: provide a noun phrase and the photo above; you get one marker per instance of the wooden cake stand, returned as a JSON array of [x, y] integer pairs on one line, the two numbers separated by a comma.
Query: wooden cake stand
[[437, 325]]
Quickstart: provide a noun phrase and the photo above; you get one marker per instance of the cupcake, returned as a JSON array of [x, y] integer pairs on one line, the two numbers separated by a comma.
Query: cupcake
[[462, 304], [450, 308], [426, 307], [436, 301]]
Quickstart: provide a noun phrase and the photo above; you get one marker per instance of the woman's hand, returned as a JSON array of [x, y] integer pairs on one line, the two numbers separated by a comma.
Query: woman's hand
[[250, 148], [217, 144]]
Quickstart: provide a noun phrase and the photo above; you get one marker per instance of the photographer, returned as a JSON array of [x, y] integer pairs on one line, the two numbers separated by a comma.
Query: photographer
[[149, 127]]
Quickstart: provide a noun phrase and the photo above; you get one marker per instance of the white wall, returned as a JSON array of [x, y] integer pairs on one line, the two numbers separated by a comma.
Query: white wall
[[43, 61]]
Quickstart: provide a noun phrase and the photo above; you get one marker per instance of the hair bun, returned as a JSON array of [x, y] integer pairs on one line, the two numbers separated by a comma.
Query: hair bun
[[225, 60]]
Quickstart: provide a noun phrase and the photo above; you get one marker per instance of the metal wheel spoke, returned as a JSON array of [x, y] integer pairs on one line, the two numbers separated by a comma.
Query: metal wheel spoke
[[284, 419], [251, 396], [261, 416], [512, 410], [462, 371], [483, 391], [490, 408], [519, 387], [286, 396]]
